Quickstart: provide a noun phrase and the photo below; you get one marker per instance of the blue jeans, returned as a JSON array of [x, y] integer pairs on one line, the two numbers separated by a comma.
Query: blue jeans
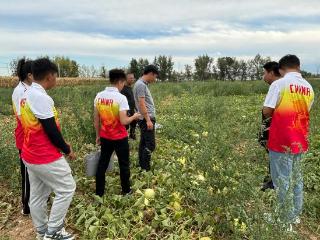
[[287, 178]]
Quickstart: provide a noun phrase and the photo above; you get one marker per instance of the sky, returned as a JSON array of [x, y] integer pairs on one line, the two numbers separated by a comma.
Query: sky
[[112, 32]]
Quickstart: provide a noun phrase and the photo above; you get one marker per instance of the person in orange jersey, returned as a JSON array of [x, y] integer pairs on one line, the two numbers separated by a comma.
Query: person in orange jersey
[[25, 79], [110, 119], [288, 102], [41, 153]]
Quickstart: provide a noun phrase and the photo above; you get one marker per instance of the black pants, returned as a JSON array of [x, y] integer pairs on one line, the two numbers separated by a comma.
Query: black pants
[[267, 181], [25, 187], [121, 147], [132, 126], [147, 144]]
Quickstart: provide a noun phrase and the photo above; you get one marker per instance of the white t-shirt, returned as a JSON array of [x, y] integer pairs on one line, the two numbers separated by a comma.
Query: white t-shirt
[[17, 94], [112, 93], [289, 81], [40, 103]]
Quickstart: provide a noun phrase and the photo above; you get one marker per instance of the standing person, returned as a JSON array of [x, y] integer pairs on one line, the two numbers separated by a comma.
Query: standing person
[[271, 74], [145, 105], [110, 118], [25, 80], [288, 102], [127, 91], [48, 169]]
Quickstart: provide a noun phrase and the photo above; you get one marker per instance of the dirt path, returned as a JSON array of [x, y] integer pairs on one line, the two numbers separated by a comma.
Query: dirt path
[[18, 227]]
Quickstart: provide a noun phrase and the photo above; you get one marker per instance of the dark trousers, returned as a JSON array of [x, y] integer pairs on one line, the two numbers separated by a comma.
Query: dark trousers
[[132, 126], [121, 147], [25, 187], [267, 181], [147, 144], [132, 131]]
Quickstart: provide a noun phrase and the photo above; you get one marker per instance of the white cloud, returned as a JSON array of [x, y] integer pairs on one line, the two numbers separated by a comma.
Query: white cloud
[[181, 28], [152, 15], [225, 42]]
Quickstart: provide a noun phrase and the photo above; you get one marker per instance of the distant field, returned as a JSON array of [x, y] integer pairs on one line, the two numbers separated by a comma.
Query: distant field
[[9, 82], [208, 168]]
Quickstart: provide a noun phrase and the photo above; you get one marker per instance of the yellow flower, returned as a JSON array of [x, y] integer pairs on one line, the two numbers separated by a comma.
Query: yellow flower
[[205, 134], [243, 227], [182, 160], [200, 177]]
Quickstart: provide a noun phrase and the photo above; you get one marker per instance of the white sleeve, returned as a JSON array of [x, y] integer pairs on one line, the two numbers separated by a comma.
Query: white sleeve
[[272, 97], [95, 101], [312, 101], [16, 104], [124, 106], [42, 107]]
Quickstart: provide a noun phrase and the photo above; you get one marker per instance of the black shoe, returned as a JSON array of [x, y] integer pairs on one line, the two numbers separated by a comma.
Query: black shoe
[[133, 137], [25, 212], [267, 185], [127, 193]]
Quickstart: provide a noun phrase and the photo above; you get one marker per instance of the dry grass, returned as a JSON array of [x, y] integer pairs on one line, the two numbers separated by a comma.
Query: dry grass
[[9, 82]]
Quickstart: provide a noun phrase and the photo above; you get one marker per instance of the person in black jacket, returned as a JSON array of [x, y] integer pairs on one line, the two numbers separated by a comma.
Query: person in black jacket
[[127, 91], [271, 74]]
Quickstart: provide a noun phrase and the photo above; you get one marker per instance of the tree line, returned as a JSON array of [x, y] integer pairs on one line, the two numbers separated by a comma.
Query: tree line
[[203, 69]]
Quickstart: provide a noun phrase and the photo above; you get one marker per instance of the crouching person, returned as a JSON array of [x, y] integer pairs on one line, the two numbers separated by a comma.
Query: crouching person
[[110, 119], [41, 153]]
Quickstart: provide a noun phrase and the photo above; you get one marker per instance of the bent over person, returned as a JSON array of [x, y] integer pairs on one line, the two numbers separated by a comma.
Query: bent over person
[[41, 153]]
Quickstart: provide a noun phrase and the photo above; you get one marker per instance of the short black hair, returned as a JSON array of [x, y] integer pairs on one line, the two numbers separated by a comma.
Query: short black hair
[[289, 61], [42, 67], [117, 75], [151, 69], [23, 69], [272, 67]]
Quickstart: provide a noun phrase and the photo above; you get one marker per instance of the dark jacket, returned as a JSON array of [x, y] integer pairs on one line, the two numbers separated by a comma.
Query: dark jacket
[[127, 91]]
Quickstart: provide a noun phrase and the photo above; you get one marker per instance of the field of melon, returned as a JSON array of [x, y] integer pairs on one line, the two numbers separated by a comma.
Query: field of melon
[[206, 176]]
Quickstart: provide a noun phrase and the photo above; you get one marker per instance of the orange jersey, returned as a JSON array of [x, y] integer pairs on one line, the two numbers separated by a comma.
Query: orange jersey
[[292, 98], [37, 147], [16, 96], [109, 103]]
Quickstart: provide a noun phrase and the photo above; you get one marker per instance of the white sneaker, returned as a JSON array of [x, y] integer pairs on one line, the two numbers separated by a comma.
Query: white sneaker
[[297, 221], [290, 229], [24, 214], [60, 235], [269, 218]]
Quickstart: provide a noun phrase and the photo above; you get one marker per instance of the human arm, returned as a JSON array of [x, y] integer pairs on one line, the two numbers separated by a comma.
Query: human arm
[[144, 112]]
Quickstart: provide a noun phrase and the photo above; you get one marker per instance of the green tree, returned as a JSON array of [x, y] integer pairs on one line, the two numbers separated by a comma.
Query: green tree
[[203, 66], [141, 64], [134, 68], [188, 75], [165, 66], [256, 67], [243, 70], [66, 66]]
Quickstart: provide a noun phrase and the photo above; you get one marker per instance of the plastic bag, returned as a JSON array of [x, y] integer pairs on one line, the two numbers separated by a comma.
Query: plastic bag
[[92, 161]]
